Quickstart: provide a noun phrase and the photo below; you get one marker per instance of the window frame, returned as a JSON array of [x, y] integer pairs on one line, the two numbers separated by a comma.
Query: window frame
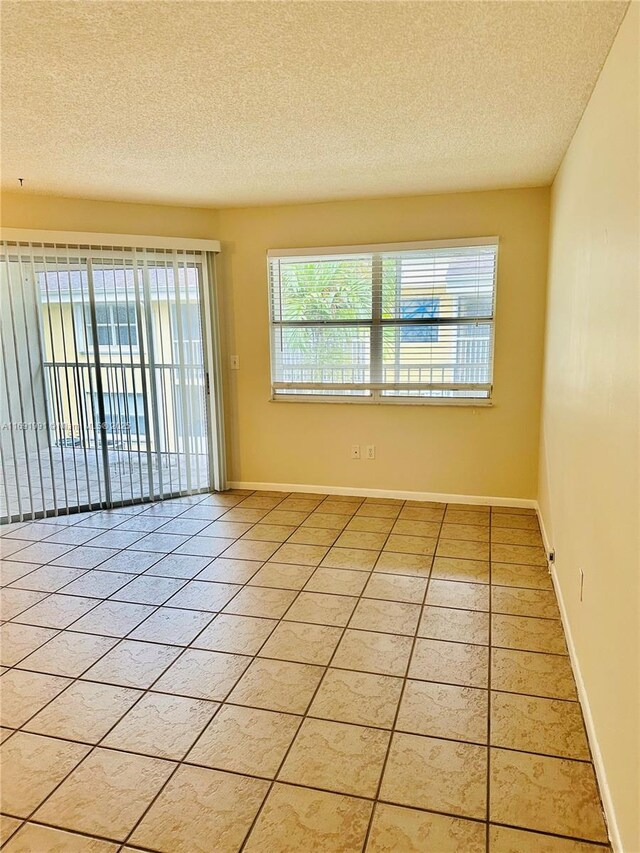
[[86, 340], [376, 397]]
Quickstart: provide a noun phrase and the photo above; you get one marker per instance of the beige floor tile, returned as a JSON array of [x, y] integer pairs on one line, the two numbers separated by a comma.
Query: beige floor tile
[[15, 601], [8, 825], [68, 654], [484, 509], [379, 510], [445, 623], [468, 532], [84, 712], [513, 510], [304, 555], [300, 504], [270, 532], [199, 805], [48, 578], [385, 654], [173, 626], [133, 664], [404, 588], [336, 504], [439, 775], [162, 726], [336, 756], [393, 563], [393, 617], [519, 554], [245, 549], [516, 536], [514, 520], [350, 558], [361, 539], [339, 581], [523, 632], [302, 642], [420, 513], [245, 515], [326, 521], [298, 819], [281, 516], [395, 829], [515, 574], [466, 596], [546, 794], [463, 549], [424, 545], [203, 675], [106, 794], [466, 516], [17, 641], [113, 618], [56, 611], [503, 839], [313, 536], [459, 569], [452, 663], [366, 524], [262, 501], [45, 839], [24, 693], [282, 576], [277, 685], [246, 740], [261, 601], [227, 529], [198, 595], [32, 766], [357, 697], [524, 602], [444, 710], [228, 571], [321, 608], [537, 674], [407, 527], [531, 724], [5, 733], [235, 634]]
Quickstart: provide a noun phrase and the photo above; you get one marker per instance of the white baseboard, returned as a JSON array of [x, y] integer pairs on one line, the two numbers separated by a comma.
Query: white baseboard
[[598, 762], [440, 497]]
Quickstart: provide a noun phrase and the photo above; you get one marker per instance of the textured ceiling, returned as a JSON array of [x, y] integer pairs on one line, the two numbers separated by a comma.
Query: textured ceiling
[[237, 103]]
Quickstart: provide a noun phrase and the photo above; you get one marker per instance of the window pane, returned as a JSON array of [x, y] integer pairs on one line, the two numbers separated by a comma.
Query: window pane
[[460, 353], [321, 354], [315, 289], [456, 282]]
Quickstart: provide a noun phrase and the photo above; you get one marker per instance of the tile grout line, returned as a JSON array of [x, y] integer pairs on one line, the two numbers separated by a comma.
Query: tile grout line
[[402, 691]]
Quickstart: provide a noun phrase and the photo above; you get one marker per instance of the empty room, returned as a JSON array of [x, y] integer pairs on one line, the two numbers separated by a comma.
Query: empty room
[[320, 426]]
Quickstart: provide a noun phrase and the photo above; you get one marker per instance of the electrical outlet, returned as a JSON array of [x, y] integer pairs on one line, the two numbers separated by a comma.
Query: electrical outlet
[[581, 584], [235, 362], [355, 451], [371, 451]]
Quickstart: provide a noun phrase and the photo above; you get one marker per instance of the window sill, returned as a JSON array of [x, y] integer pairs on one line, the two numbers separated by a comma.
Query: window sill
[[466, 402]]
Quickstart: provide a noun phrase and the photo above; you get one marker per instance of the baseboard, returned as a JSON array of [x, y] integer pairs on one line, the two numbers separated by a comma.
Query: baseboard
[[440, 497], [598, 762]]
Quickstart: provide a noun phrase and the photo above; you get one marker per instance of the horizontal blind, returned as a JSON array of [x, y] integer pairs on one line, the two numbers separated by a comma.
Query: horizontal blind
[[383, 324]]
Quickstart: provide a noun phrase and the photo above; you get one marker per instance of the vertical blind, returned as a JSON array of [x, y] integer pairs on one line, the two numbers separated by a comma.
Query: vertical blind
[[105, 361], [384, 323]]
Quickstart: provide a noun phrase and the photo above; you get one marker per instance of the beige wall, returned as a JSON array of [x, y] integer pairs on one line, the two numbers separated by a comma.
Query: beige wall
[[458, 450], [472, 451], [24, 210], [590, 429]]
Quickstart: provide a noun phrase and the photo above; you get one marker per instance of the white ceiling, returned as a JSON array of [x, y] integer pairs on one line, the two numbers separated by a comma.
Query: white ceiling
[[240, 103]]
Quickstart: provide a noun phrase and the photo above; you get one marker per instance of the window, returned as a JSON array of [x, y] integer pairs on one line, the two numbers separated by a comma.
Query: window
[[124, 418], [385, 323], [116, 326]]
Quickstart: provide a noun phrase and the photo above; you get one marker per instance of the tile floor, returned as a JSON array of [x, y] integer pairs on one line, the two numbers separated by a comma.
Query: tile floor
[[272, 672]]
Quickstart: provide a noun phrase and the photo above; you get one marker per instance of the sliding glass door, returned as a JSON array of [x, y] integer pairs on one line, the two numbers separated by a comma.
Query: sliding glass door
[[106, 377]]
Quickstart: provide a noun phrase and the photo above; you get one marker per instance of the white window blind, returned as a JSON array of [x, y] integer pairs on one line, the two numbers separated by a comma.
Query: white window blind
[[384, 323]]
